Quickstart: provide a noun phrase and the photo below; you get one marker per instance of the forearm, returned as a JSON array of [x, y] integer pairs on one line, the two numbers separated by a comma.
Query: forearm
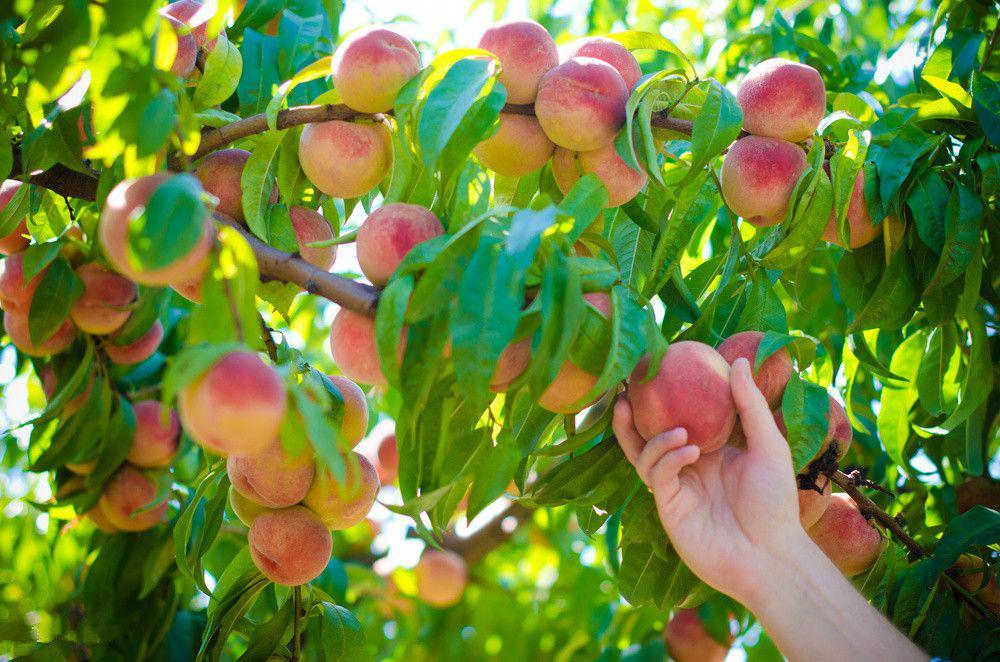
[[814, 613]]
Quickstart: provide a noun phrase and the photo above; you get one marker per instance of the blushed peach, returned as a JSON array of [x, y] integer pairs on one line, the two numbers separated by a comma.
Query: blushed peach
[[194, 15], [581, 104], [50, 385], [291, 546], [518, 148], [310, 227], [389, 233], [187, 49], [773, 374], [17, 239], [572, 383], [621, 180], [512, 363], [859, 222], [442, 576], [157, 435], [687, 639], [813, 504], [758, 176], [16, 325], [345, 159], [104, 305], [371, 66], [613, 53], [342, 504], [129, 501], [272, 478], [352, 345], [782, 99], [355, 421], [846, 537], [221, 174], [526, 51], [137, 351], [16, 292], [387, 457]]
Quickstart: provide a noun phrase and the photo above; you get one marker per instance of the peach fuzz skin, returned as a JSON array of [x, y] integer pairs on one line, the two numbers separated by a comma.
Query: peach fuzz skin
[[342, 504], [572, 383], [526, 52], [389, 233], [345, 159], [519, 147], [139, 350], [782, 99], [272, 478], [758, 176], [370, 66], [157, 435], [442, 576], [846, 537], [291, 546], [773, 374], [581, 104]]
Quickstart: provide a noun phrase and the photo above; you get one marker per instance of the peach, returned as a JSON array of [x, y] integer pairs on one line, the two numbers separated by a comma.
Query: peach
[[442, 576], [526, 51], [310, 227], [221, 174], [846, 537], [371, 66], [622, 181], [977, 491], [129, 501], [813, 504], [157, 435], [773, 374], [342, 504], [272, 478], [782, 99], [758, 176], [187, 49], [970, 575], [137, 351], [512, 363], [100, 520], [387, 459], [389, 233], [345, 159], [687, 639], [860, 231], [104, 305], [839, 431], [355, 422], [16, 240], [192, 14], [291, 546], [690, 390], [352, 345], [245, 509], [236, 407], [125, 203], [50, 385], [16, 325], [189, 288], [16, 292], [572, 383], [581, 104], [613, 53], [518, 148]]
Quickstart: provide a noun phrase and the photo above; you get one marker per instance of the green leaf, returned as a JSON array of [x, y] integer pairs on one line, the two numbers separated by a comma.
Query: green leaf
[[257, 183], [963, 216], [341, 634], [637, 40], [318, 69], [899, 398], [170, 226], [267, 636], [223, 68], [807, 215], [56, 293], [716, 126], [894, 299], [805, 407], [228, 312], [157, 122], [986, 103]]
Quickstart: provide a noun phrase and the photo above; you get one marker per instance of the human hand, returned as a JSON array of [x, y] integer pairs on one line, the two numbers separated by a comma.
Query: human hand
[[730, 514]]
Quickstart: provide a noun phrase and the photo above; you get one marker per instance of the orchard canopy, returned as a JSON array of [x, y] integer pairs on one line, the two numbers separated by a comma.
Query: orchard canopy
[[314, 312]]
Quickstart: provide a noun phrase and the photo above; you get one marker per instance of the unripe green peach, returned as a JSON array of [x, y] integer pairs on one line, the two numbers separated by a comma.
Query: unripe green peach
[[342, 504], [355, 422], [352, 345], [687, 639], [291, 546], [157, 435], [859, 222], [846, 537], [442, 576], [127, 498], [773, 374], [310, 227], [782, 99], [518, 148], [526, 51], [758, 176], [236, 407], [613, 53], [272, 478], [691, 390], [137, 351], [371, 66], [16, 326], [125, 203], [572, 383], [389, 233], [622, 181], [245, 509], [220, 174], [104, 305], [17, 239], [581, 104], [345, 159]]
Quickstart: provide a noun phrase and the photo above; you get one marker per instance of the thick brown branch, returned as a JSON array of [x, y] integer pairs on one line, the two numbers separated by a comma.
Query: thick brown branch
[[870, 509], [473, 548]]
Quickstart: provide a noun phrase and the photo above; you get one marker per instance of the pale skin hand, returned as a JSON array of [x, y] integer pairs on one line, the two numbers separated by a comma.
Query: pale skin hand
[[733, 518]]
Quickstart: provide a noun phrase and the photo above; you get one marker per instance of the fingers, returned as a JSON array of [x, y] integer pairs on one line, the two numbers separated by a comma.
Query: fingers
[[664, 475], [656, 448], [629, 438], [755, 416]]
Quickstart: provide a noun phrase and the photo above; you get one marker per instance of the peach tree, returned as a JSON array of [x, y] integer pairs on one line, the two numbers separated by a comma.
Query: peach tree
[[267, 264]]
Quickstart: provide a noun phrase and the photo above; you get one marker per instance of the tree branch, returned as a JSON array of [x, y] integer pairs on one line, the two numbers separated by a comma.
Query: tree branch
[[473, 548]]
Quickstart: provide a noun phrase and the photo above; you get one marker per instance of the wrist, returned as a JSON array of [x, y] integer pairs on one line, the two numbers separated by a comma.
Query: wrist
[[789, 566]]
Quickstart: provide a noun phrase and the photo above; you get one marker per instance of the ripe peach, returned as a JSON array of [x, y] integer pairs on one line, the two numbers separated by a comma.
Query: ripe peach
[[103, 306], [846, 537], [220, 173], [352, 345], [123, 204], [137, 351], [613, 53], [272, 478], [581, 104], [389, 233], [622, 181], [782, 99], [970, 575], [345, 159], [50, 385], [194, 15], [562, 396], [245, 509], [977, 491], [773, 374], [758, 176], [355, 422], [371, 66], [236, 407], [690, 390], [310, 227], [291, 546], [859, 222], [813, 504], [187, 49], [16, 325], [127, 498], [442, 576], [512, 363], [16, 240], [387, 460], [526, 51], [518, 148], [190, 288], [342, 504], [157, 438], [16, 292], [100, 520], [688, 641]]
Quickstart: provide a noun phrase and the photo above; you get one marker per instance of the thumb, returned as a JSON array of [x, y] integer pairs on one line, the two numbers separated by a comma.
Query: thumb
[[761, 431]]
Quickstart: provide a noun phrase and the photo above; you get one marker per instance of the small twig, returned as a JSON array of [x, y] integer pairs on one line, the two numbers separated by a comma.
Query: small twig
[[870, 509], [199, 60], [265, 332]]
